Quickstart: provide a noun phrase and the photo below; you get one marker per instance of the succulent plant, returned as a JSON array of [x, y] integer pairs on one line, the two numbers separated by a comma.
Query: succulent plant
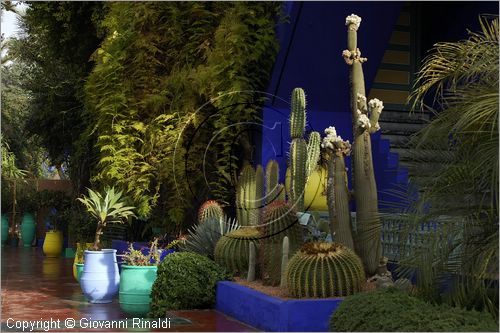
[[246, 197], [365, 121], [210, 209], [203, 237], [324, 270], [280, 220], [232, 249], [272, 181]]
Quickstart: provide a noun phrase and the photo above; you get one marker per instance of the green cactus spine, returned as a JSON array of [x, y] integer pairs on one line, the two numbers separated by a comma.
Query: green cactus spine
[[285, 255], [298, 113], [298, 172], [246, 200], [368, 224], [210, 209], [232, 249], [280, 220], [324, 270], [313, 152], [272, 180], [251, 262]]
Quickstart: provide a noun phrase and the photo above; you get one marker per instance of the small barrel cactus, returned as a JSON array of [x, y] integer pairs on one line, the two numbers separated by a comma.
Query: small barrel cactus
[[325, 270], [210, 209], [232, 249]]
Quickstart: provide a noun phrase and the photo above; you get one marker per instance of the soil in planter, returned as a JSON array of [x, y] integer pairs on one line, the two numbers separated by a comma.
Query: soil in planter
[[282, 293]]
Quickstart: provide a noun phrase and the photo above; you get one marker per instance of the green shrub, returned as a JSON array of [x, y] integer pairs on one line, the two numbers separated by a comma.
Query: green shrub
[[185, 280], [391, 310]]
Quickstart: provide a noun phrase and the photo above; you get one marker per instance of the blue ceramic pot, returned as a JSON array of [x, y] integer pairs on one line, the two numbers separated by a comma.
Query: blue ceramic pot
[[100, 279]]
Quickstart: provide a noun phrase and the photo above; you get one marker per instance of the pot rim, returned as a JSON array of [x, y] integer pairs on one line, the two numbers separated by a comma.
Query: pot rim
[[139, 267], [101, 251]]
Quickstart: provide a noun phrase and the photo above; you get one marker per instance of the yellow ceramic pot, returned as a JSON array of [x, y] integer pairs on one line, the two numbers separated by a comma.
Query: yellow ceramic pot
[[80, 249], [53, 244], [315, 191]]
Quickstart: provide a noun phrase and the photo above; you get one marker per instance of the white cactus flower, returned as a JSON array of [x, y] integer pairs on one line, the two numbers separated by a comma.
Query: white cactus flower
[[354, 21], [363, 120], [376, 105]]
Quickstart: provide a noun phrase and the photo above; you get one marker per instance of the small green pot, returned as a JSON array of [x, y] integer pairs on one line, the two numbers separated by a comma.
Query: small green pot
[[79, 270], [28, 228], [5, 229], [136, 283]]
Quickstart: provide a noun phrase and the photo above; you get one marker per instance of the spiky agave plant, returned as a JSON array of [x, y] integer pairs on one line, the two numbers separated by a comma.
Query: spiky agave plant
[[106, 208], [203, 237]]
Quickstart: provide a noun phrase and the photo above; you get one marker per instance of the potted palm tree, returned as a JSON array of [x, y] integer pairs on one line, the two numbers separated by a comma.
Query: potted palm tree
[[100, 278]]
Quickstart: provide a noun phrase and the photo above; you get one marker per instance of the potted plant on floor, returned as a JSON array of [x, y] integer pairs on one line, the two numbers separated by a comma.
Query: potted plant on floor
[[28, 205], [137, 278], [100, 277], [57, 204], [81, 230]]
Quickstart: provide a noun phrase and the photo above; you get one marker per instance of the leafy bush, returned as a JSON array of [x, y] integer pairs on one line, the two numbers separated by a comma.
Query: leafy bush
[[391, 310], [185, 280]]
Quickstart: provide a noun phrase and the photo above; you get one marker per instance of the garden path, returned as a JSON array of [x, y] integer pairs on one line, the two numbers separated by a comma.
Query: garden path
[[36, 288]]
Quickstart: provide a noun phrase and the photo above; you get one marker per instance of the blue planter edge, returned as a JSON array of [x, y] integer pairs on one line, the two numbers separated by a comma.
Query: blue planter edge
[[271, 313]]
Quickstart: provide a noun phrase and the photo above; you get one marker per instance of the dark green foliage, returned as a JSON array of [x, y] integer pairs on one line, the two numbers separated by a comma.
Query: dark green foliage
[[185, 281], [280, 220], [325, 270], [59, 40], [232, 250], [169, 75], [460, 191], [390, 310]]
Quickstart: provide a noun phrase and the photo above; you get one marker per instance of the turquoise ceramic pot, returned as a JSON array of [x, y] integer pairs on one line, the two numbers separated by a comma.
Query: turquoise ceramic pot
[[5, 229], [28, 228], [100, 278], [79, 271], [135, 289]]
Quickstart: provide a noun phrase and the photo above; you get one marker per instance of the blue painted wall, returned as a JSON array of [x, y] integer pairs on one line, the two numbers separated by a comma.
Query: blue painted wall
[[311, 57]]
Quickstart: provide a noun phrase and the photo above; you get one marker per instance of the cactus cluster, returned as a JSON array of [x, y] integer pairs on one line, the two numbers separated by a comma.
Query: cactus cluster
[[303, 156], [324, 270], [280, 221], [233, 251]]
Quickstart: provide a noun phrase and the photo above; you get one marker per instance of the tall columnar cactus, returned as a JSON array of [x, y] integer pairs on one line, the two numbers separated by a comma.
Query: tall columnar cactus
[[337, 189], [280, 220], [298, 114], [324, 270], [259, 191], [303, 156], [298, 172], [368, 225], [272, 180], [285, 256], [252, 262], [313, 152], [232, 249], [210, 209], [246, 197]]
